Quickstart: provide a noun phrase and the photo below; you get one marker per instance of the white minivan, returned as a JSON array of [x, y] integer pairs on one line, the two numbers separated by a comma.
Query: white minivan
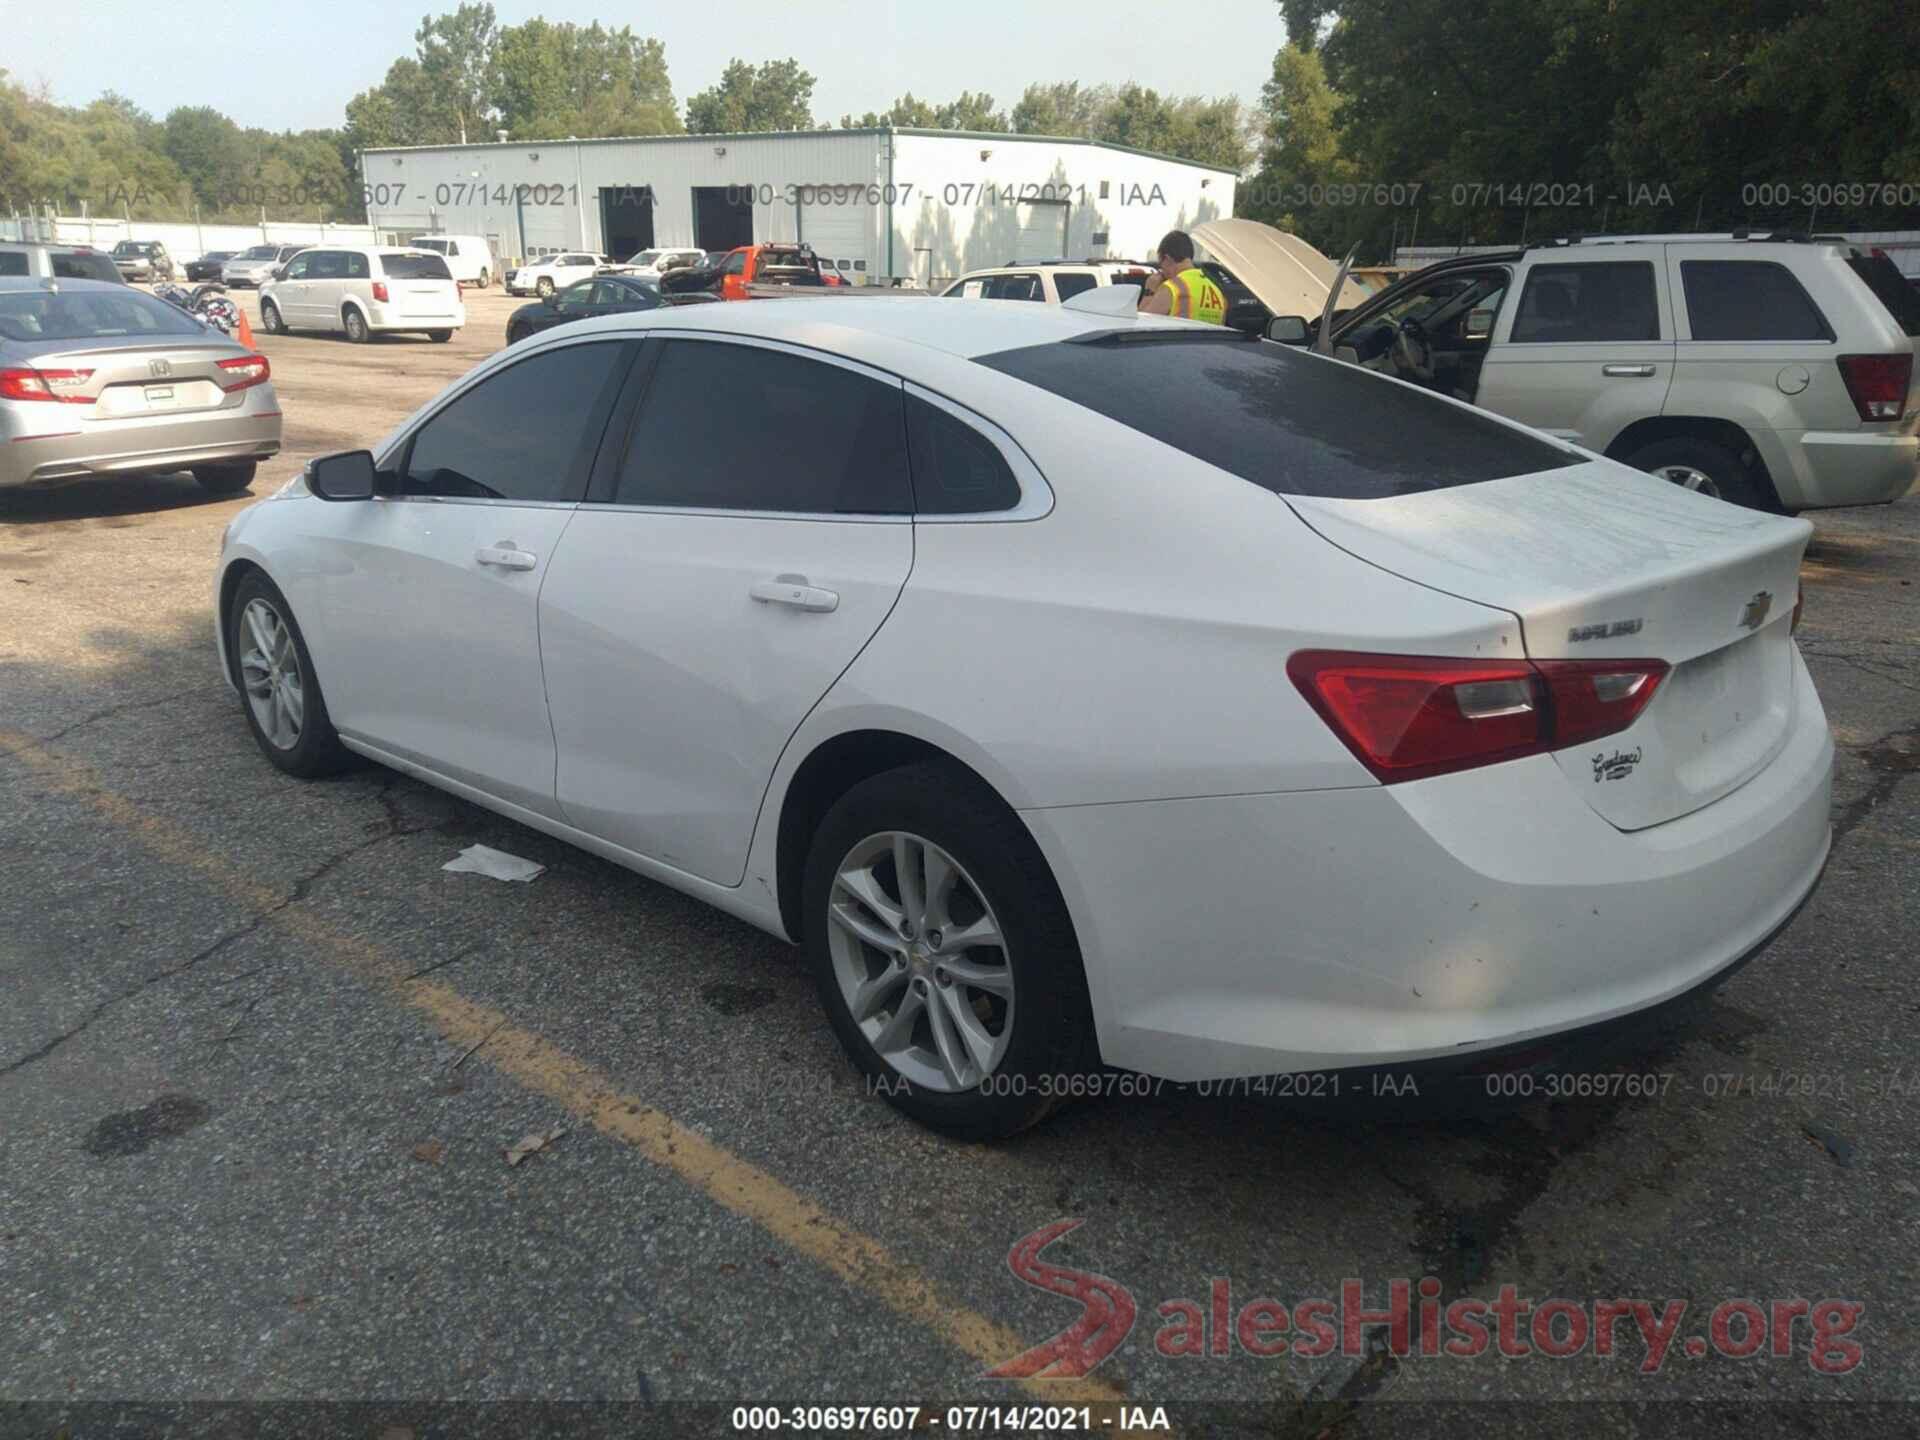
[[467, 256], [363, 290]]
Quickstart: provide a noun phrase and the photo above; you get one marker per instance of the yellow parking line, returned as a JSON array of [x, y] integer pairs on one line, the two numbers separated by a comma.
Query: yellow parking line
[[585, 1092]]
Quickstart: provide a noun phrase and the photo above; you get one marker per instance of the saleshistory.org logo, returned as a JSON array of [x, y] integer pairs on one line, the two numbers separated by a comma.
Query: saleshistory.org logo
[[1506, 1325]]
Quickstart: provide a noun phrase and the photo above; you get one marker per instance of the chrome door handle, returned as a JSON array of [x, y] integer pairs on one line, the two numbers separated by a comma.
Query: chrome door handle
[[1627, 372], [794, 591], [505, 556]]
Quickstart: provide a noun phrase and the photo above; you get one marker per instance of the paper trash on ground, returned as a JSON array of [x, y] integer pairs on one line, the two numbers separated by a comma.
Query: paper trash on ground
[[485, 860]]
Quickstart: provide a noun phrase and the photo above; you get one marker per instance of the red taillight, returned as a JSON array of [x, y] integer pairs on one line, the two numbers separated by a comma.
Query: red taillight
[[380, 291], [26, 383], [243, 371], [1406, 717], [1878, 383]]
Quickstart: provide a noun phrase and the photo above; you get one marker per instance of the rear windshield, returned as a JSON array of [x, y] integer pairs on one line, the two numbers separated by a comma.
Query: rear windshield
[[259, 252], [77, 266], [1292, 423], [414, 267], [90, 315], [1894, 290]]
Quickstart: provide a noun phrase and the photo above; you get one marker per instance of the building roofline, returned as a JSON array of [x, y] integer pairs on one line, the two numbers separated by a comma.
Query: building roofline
[[710, 137]]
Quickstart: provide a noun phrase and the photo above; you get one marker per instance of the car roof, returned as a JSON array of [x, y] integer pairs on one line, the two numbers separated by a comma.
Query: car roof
[[10, 284], [853, 324]]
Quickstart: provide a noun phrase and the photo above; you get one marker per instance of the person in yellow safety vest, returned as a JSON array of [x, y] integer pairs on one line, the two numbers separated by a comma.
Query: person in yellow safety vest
[[1181, 288]]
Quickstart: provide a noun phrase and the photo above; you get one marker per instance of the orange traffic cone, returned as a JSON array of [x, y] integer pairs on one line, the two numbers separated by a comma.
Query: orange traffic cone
[[246, 330]]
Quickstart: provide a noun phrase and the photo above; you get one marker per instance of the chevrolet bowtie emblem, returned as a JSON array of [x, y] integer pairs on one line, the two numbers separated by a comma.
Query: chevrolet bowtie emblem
[[1756, 612]]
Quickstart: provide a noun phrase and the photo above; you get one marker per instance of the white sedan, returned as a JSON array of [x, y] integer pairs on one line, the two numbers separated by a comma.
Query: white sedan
[[1075, 689]]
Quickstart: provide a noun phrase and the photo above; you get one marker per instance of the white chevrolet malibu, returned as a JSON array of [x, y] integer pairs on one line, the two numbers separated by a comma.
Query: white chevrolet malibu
[[1075, 689]]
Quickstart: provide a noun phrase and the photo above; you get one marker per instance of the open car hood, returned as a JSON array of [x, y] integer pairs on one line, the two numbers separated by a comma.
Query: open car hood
[[1288, 275]]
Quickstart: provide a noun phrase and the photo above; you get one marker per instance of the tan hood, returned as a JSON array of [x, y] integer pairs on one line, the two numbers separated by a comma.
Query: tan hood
[[1288, 275]]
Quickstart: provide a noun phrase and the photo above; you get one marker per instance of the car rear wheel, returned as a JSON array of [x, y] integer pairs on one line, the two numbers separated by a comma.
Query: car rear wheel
[[543, 287], [944, 955], [226, 479], [284, 706], [270, 320], [356, 324], [1703, 466], [439, 337], [486, 279]]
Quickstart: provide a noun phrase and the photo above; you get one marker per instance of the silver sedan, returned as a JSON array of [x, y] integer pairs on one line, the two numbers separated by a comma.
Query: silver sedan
[[99, 379]]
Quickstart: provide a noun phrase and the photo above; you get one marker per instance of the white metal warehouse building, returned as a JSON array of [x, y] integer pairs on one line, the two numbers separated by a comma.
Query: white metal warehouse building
[[886, 205]]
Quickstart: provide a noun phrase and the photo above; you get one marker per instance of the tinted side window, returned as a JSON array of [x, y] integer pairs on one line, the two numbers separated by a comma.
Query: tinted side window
[[1900, 295], [1069, 285], [1014, 287], [956, 469], [356, 266], [83, 267], [737, 427], [12, 262], [1749, 300], [1594, 302], [528, 432]]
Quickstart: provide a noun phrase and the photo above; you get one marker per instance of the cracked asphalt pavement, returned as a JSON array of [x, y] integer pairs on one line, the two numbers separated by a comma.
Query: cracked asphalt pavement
[[261, 1058]]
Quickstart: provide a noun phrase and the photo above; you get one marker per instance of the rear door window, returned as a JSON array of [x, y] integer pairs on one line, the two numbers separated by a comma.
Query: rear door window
[[1589, 303], [528, 432], [1289, 422], [1015, 287], [1749, 300], [13, 262], [1891, 288], [742, 427], [400, 266], [1070, 284]]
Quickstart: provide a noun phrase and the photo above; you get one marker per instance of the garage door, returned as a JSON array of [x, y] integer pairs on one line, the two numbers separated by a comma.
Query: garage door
[[838, 232], [1043, 230]]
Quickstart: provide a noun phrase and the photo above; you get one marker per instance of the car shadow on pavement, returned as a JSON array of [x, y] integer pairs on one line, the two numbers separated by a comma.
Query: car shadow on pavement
[[111, 496]]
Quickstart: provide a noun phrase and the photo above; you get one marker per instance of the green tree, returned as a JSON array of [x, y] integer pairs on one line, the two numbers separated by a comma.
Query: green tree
[[457, 61], [1066, 108], [774, 95], [552, 80], [968, 111]]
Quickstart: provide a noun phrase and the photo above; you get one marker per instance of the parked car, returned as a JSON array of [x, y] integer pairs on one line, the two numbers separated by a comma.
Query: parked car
[[787, 617], [57, 262], [97, 378], [145, 260], [584, 299], [555, 272], [782, 264], [362, 291], [1772, 372], [255, 266], [1054, 282], [209, 265], [468, 256], [652, 264]]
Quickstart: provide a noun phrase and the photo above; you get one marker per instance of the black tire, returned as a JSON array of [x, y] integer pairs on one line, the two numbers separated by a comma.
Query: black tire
[[356, 323], [1052, 1021], [486, 278], [270, 320], [226, 479], [1724, 475], [439, 337], [543, 287], [318, 750]]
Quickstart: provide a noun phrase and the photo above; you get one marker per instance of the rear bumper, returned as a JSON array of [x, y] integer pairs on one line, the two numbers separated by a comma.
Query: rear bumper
[[390, 317], [1451, 917], [1815, 469], [136, 447]]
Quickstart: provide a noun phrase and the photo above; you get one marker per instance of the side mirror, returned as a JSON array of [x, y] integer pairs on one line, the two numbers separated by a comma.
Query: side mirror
[[279, 272], [1287, 330], [347, 475]]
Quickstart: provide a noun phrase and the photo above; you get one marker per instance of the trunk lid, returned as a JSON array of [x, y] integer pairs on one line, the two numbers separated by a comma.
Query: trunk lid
[[1597, 562], [142, 380]]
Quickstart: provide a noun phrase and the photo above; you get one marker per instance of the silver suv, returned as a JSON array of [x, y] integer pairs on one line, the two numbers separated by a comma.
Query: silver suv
[[1776, 372]]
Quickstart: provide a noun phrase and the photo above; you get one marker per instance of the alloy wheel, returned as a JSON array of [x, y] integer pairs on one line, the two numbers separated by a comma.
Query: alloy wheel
[[270, 674], [1688, 477], [921, 960]]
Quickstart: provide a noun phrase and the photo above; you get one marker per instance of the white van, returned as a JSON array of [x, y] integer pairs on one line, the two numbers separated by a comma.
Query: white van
[[363, 290], [467, 256]]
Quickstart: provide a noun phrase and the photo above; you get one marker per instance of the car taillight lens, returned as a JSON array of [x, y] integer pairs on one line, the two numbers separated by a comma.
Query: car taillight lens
[[243, 371], [1406, 717], [25, 383], [380, 291], [1878, 383]]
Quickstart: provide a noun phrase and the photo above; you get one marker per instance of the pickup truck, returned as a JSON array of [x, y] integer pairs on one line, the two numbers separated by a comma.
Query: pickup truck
[[742, 273]]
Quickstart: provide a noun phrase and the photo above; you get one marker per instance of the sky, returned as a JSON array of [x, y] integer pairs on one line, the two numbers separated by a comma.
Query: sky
[[294, 67]]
